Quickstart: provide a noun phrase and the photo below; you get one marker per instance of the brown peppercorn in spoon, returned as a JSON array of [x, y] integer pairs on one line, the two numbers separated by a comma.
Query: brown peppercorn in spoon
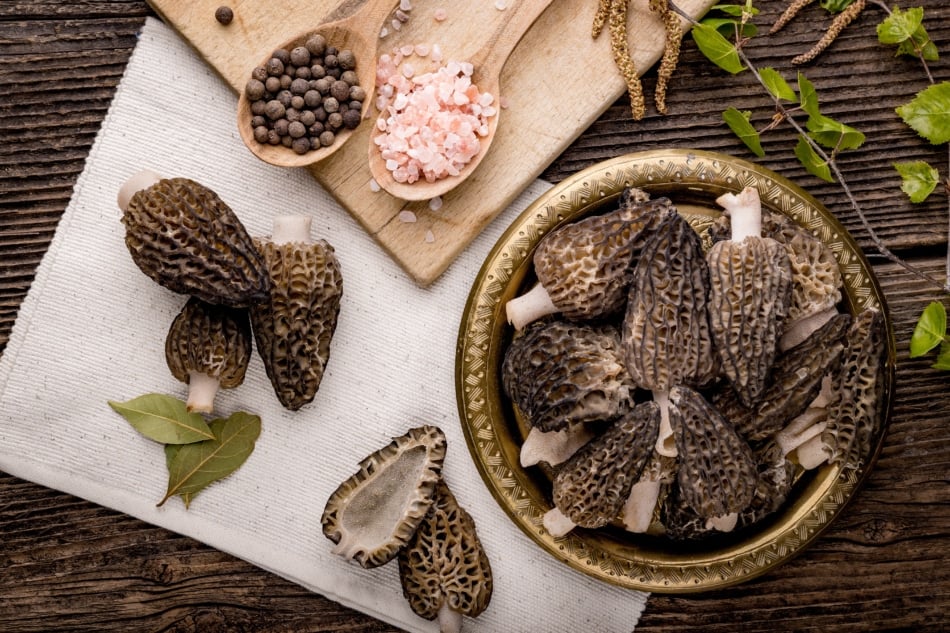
[[358, 32], [487, 63]]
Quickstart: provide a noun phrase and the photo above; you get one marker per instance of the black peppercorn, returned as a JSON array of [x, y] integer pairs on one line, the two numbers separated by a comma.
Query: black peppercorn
[[357, 93], [308, 118], [297, 102], [296, 129], [283, 55], [335, 121], [224, 15], [331, 61], [273, 138], [300, 56], [326, 138], [281, 126], [317, 71], [272, 84], [312, 98], [346, 59], [275, 67], [350, 77], [259, 73], [258, 120], [303, 72], [351, 118], [323, 86], [254, 89], [260, 133], [285, 81], [331, 105], [301, 145], [257, 108], [274, 110], [316, 44], [299, 86]]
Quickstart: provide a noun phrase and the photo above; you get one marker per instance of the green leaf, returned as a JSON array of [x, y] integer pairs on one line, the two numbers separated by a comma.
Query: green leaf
[[930, 331], [943, 358], [920, 45], [163, 419], [833, 134], [808, 96], [918, 179], [716, 48], [171, 451], [815, 165], [928, 113], [735, 10], [776, 85], [195, 466], [900, 26], [738, 122], [835, 6], [727, 27]]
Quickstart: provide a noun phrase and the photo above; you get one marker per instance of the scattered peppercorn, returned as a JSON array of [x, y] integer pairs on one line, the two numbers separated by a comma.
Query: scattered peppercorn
[[301, 98], [224, 15]]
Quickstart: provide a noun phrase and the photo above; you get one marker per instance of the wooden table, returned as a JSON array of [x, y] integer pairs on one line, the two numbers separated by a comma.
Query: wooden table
[[69, 565]]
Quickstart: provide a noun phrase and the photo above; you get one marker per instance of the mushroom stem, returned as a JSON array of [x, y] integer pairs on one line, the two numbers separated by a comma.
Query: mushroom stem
[[553, 447], [202, 389], [806, 426], [638, 510], [665, 442], [450, 620], [291, 228], [529, 307], [724, 523], [745, 213], [812, 453], [557, 523], [799, 331], [135, 183]]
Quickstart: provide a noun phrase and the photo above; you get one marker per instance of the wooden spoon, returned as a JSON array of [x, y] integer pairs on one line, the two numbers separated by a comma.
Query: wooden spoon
[[488, 62], [357, 31]]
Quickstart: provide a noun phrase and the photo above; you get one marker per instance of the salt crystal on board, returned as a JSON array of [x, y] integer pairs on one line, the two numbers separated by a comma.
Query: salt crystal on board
[[407, 216]]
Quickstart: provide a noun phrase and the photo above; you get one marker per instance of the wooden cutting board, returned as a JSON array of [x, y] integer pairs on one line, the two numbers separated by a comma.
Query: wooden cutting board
[[556, 83]]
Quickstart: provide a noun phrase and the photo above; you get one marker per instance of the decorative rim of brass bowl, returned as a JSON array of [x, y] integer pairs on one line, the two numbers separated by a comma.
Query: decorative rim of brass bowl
[[692, 179]]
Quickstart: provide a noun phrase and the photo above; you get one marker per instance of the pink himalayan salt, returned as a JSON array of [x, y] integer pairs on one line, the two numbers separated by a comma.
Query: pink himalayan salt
[[440, 15], [431, 127]]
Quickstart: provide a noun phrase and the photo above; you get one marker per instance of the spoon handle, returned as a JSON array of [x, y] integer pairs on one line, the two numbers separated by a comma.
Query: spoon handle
[[518, 18]]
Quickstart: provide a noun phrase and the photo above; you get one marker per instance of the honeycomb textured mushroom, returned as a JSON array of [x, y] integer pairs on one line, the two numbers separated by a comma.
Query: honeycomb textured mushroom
[[794, 382], [640, 508], [775, 476], [444, 570], [750, 294], [584, 268], [185, 238], [590, 489], [294, 326], [680, 521], [717, 473], [208, 347], [857, 391], [560, 373], [374, 513], [665, 334]]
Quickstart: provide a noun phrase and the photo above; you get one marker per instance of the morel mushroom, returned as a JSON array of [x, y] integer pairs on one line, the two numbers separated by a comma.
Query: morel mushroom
[[794, 382], [750, 294], [717, 474], [208, 347], [666, 338], [641, 504], [554, 447], [560, 373], [584, 268], [857, 395], [293, 327], [375, 512], [590, 489], [444, 570], [776, 474], [185, 238]]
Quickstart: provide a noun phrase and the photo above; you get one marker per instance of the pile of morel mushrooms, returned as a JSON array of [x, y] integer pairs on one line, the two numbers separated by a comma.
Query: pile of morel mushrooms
[[679, 392]]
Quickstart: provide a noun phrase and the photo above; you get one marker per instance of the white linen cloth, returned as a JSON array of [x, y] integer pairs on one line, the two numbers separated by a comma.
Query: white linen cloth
[[93, 326]]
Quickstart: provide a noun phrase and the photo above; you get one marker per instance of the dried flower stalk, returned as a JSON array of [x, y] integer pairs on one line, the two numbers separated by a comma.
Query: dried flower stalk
[[600, 18], [671, 50], [841, 20], [617, 24], [790, 12]]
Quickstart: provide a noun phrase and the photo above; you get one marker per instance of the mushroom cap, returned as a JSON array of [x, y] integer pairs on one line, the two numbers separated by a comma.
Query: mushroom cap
[[559, 373], [375, 512], [680, 521], [444, 564], [586, 266], [665, 333], [209, 339], [793, 384], [717, 474], [185, 238], [858, 391], [294, 326], [592, 486], [775, 476]]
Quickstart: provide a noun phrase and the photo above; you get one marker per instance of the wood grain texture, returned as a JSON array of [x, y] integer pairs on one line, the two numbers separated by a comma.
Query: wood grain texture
[[548, 106], [69, 565]]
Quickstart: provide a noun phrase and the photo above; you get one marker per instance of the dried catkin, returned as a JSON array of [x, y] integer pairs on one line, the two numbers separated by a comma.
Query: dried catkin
[[790, 12], [671, 50], [841, 20], [617, 23], [600, 18]]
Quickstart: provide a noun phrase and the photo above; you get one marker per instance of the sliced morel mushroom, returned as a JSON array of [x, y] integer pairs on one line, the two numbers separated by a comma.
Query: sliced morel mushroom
[[750, 294], [857, 389], [207, 347], [374, 513], [666, 337], [590, 489], [584, 268], [717, 474], [560, 373], [681, 522], [185, 238], [444, 570], [794, 382], [293, 327]]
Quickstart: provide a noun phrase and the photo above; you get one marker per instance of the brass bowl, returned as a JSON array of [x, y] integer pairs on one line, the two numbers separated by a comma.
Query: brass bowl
[[494, 433]]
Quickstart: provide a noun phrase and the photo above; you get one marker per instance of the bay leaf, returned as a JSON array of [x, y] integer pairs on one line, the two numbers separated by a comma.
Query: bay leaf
[[193, 467], [164, 419], [171, 451]]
